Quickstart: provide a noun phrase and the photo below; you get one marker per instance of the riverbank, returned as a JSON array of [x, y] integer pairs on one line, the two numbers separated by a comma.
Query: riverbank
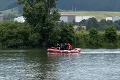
[[83, 39]]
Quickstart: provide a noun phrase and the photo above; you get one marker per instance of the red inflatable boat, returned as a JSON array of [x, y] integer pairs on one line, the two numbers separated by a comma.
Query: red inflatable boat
[[54, 50]]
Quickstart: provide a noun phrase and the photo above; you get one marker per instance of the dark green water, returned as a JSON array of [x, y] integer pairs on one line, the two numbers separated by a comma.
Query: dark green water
[[35, 64]]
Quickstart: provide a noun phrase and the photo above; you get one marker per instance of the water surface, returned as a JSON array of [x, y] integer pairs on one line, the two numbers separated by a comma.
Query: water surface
[[35, 64]]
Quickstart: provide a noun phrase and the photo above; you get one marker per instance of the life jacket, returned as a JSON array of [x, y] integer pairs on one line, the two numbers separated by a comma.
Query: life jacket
[[69, 46]]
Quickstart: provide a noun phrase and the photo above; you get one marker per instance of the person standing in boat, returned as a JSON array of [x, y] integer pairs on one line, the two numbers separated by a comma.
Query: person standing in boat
[[61, 46], [69, 46], [66, 46], [58, 46]]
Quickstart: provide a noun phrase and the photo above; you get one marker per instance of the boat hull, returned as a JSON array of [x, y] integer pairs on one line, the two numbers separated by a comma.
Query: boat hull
[[76, 50]]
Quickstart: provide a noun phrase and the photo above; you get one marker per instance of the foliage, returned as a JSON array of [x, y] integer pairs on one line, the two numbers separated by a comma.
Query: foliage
[[54, 37], [34, 39], [67, 33], [102, 24], [93, 38], [117, 24], [111, 34], [13, 34], [37, 14], [91, 23], [81, 39]]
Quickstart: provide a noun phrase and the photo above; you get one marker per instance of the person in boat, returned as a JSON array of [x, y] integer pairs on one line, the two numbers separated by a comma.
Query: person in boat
[[58, 46], [66, 46], [69, 46], [62, 46]]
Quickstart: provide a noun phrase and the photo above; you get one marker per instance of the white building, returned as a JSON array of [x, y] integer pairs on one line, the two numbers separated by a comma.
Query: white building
[[64, 18], [108, 18], [1, 17], [113, 18], [80, 18], [19, 19], [73, 17], [67, 17]]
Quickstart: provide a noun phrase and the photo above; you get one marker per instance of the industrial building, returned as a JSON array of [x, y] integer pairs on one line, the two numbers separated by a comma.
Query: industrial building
[[64, 18], [1, 16], [73, 17], [113, 18]]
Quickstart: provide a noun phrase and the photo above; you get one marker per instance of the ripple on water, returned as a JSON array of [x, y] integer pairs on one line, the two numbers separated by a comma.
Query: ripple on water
[[92, 64]]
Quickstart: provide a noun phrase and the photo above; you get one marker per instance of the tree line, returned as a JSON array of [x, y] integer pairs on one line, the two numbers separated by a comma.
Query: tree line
[[99, 25], [15, 35], [43, 29]]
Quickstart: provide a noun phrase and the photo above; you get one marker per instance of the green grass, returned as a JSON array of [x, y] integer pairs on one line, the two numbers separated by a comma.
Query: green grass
[[13, 11], [98, 14]]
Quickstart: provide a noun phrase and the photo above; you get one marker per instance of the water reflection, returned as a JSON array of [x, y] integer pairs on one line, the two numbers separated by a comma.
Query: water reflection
[[36, 64], [54, 55]]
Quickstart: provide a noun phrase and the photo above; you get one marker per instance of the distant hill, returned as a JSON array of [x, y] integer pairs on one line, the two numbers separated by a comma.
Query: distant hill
[[89, 5], [9, 4], [11, 9], [79, 5]]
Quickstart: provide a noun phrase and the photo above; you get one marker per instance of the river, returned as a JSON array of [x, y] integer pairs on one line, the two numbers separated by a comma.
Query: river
[[35, 64]]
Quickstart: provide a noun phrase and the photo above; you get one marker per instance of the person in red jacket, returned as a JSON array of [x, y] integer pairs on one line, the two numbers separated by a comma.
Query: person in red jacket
[[69, 46]]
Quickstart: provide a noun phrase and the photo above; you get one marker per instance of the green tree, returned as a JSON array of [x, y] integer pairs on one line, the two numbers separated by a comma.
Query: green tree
[[83, 23], [67, 33], [109, 22], [92, 23], [111, 34], [93, 38], [102, 24], [13, 34], [117, 24], [34, 39], [55, 37], [37, 13]]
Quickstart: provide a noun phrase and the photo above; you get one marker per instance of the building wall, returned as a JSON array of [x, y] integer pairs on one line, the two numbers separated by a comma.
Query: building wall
[[1, 17], [115, 19], [78, 18], [64, 18], [71, 18], [108, 18]]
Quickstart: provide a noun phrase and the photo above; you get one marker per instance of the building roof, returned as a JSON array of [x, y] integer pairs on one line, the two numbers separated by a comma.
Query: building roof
[[67, 14]]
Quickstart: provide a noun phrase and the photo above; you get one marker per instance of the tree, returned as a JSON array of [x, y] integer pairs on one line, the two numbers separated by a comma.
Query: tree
[[92, 23], [67, 33], [14, 34], [111, 34], [55, 37], [102, 24], [93, 38], [37, 13], [83, 23], [117, 24]]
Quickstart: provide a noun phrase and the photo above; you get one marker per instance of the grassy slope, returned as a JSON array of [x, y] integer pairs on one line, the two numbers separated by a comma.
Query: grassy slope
[[13, 11], [98, 14]]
